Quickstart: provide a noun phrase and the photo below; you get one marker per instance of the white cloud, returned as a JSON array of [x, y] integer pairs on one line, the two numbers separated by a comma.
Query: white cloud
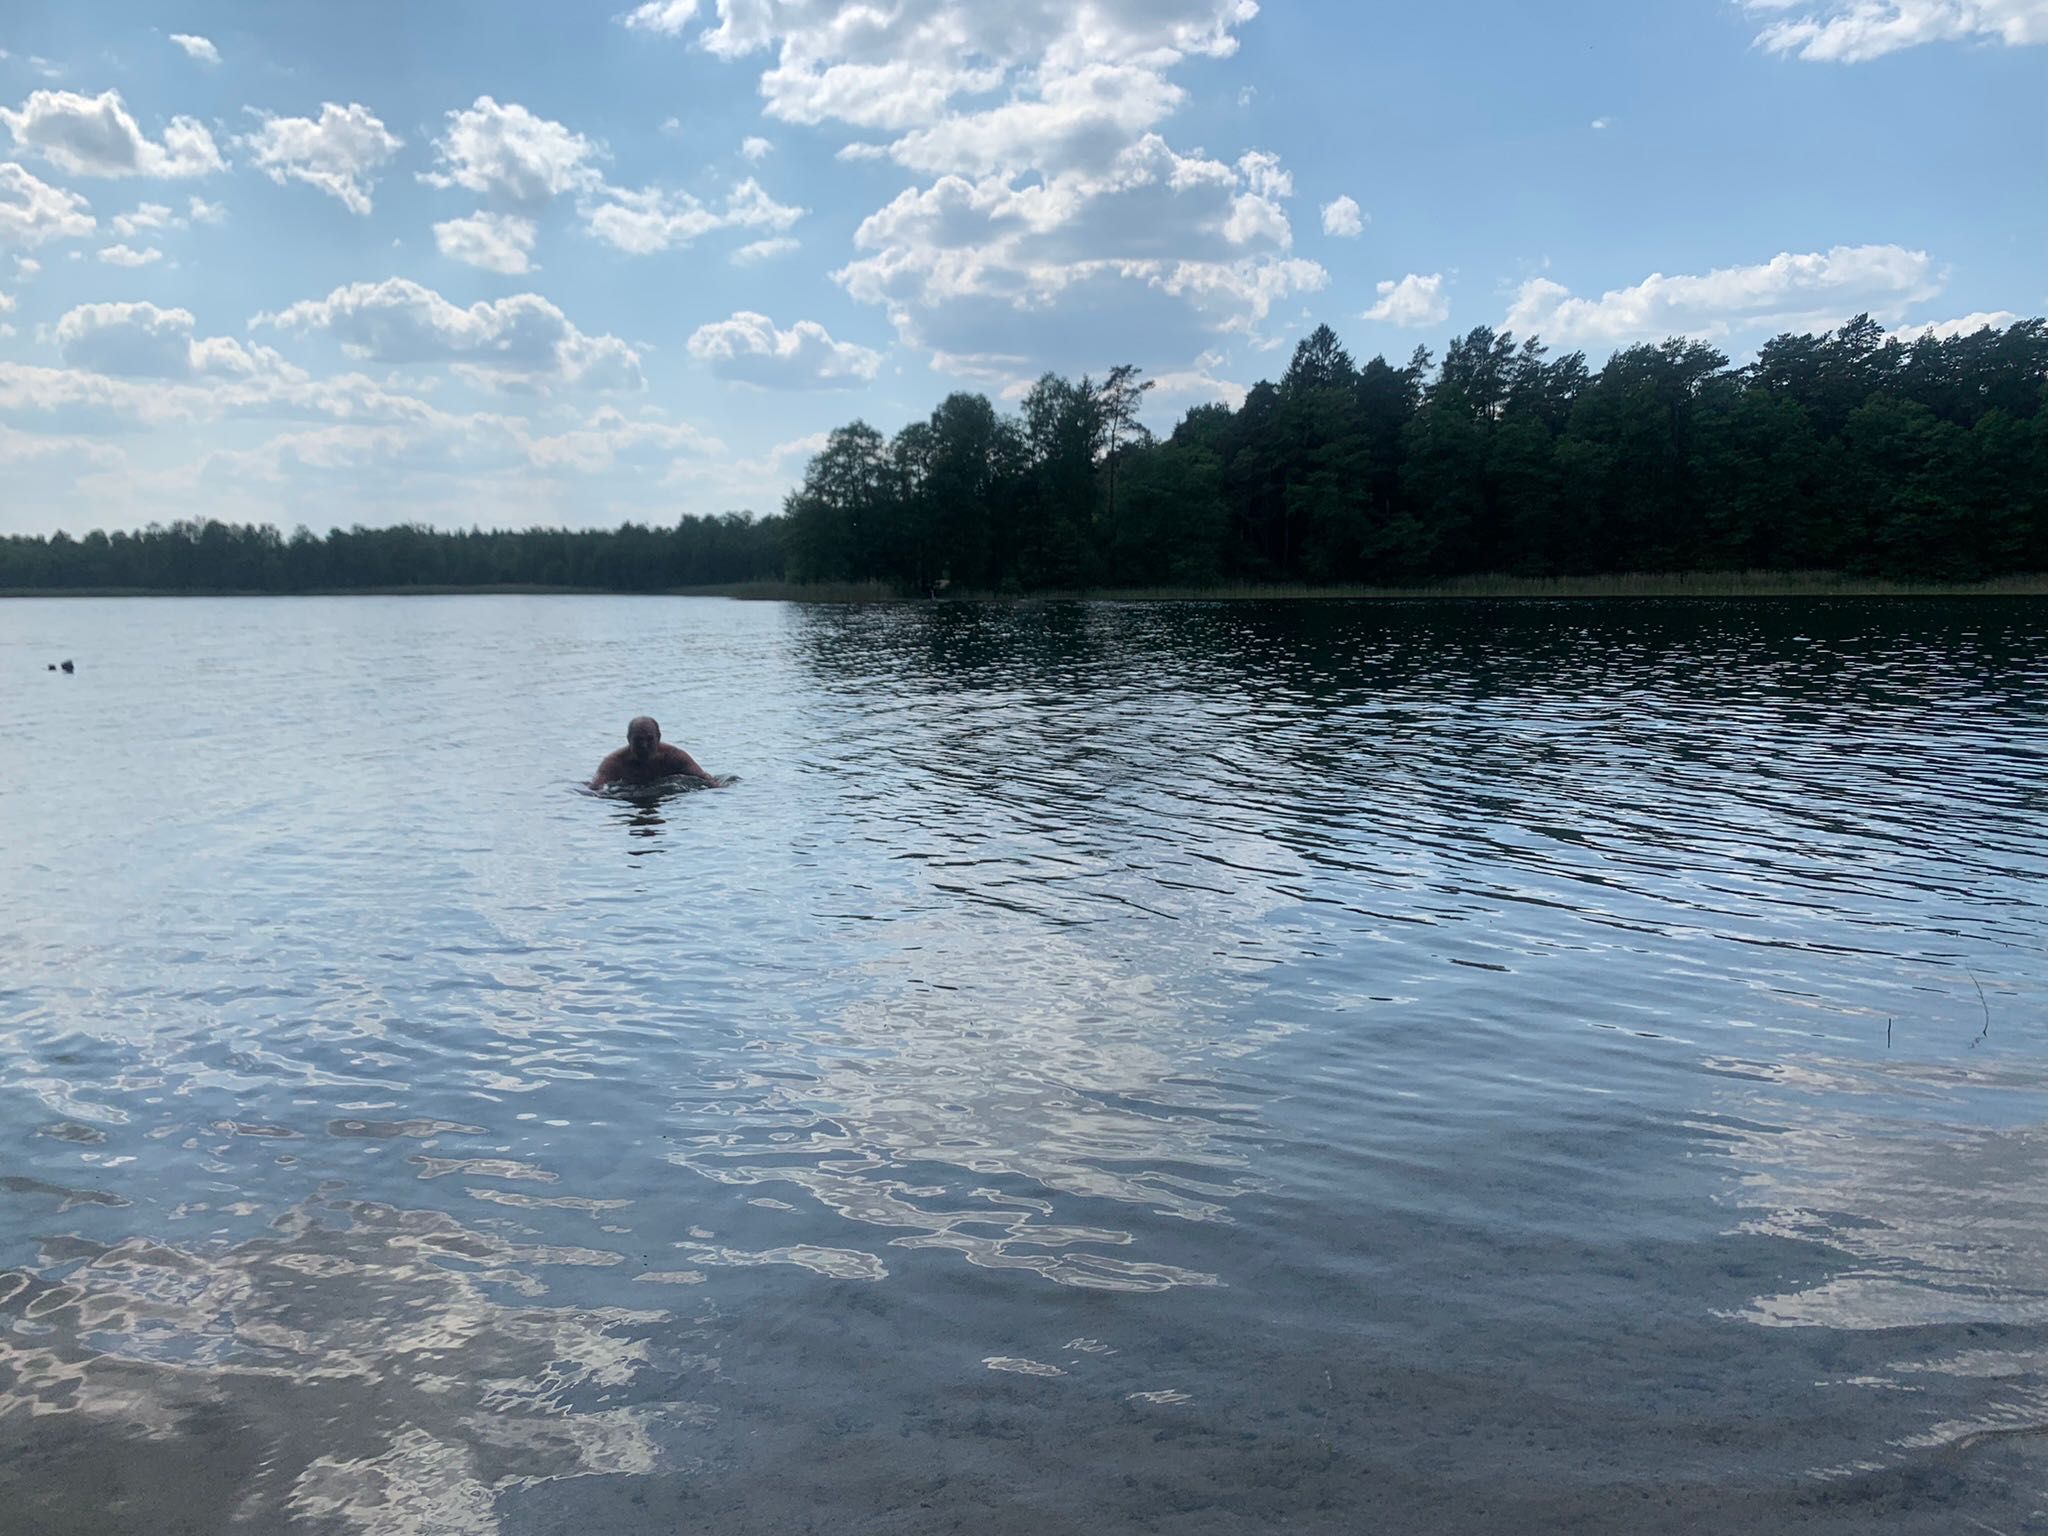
[[141, 341], [876, 67], [96, 136], [26, 267], [756, 148], [1788, 292], [1965, 325], [508, 154], [645, 222], [1061, 228], [749, 349], [197, 47], [1145, 260], [1856, 31], [521, 342], [1344, 219], [764, 250], [33, 212], [1602, 124], [6, 303], [340, 154], [145, 216], [497, 242], [1413, 302], [665, 17], [128, 256], [203, 212]]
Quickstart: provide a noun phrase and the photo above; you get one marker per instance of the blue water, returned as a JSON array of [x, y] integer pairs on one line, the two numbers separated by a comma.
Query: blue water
[[1103, 1068]]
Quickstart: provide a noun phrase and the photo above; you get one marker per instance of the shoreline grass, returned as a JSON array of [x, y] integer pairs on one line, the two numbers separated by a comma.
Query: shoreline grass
[[1637, 585]]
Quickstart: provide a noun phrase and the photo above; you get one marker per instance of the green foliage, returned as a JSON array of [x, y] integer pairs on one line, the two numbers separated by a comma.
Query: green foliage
[[225, 557], [1848, 451]]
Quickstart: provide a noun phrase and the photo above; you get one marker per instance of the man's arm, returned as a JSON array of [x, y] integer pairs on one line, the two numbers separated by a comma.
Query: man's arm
[[681, 762], [608, 770]]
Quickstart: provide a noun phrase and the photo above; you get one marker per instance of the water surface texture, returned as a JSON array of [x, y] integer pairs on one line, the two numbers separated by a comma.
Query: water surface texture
[[1186, 1068]]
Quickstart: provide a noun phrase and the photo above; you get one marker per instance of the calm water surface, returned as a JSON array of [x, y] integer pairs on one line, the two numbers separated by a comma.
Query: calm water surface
[[1188, 1068]]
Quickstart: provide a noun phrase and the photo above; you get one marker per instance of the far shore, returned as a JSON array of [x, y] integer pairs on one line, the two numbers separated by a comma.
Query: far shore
[[1723, 584]]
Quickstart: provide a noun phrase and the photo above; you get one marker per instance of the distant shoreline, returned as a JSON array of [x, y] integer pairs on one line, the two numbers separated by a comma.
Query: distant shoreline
[[1738, 584]]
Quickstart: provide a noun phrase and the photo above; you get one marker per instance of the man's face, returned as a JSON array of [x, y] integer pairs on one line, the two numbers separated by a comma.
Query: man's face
[[642, 737]]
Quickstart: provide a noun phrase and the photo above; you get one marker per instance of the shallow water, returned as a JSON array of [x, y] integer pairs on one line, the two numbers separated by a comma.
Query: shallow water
[[1193, 1068]]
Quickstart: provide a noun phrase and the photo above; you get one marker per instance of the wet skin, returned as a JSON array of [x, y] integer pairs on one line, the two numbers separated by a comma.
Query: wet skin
[[647, 759]]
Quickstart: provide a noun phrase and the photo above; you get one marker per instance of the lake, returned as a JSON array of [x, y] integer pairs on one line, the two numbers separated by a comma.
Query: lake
[[1192, 1068]]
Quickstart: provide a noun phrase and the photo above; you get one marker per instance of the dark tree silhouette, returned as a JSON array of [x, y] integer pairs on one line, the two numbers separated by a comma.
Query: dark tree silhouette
[[1849, 451]]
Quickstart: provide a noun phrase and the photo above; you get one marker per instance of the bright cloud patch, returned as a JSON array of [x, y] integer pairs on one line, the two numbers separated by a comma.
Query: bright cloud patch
[[645, 222], [1789, 292], [1854, 31], [749, 349], [1061, 228], [33, 211], [497, 242], [128, 256], [199, 48], [666, 17], [340, 153], [1413, 302], [508, 154], [1344, 219], [140, 341], [1966, 325], [1148, 259], [764, 250], [96, 136], [522, 342]]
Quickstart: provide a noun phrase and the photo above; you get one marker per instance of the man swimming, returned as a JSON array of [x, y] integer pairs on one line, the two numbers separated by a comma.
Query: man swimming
[[647, 759]]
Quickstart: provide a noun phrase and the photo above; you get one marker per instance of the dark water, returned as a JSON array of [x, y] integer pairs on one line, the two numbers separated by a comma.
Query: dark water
[[1187, 1069]]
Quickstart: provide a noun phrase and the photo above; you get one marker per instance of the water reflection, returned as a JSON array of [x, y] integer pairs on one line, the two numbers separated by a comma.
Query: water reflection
[[371, 1369], [1239, 1066]]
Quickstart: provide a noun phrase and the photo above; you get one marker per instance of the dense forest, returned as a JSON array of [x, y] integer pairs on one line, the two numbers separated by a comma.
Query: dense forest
[[1848, 451]]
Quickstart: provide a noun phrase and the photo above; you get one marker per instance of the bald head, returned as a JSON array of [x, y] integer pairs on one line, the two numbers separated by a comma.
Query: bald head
[[643, 735]]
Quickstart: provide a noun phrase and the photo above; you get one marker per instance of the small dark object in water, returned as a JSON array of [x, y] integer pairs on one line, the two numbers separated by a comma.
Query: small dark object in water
[[67, 666]]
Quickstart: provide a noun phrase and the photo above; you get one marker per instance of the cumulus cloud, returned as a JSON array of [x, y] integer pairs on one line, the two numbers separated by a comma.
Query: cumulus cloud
[[665, 17], [1058, 226], [509, 155], [1855, 31], [497, 242], [755, 148], [1966, 325], [1147, 258], [96, 136], [749, 349], [764, 250], [128, 256], [145, 216], [141, 341], [1412, 302], [1344, 219], [1789, 292], [521, 342], [648, 221], [33, 212], [198, 48], [340, 153], [890, 68], [203, 212]]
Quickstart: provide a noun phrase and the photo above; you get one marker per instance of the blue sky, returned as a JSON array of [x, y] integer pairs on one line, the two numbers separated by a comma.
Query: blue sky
[[561, 264]]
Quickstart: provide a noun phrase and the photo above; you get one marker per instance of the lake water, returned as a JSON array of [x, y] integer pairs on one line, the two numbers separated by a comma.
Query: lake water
[[1185, 1068]]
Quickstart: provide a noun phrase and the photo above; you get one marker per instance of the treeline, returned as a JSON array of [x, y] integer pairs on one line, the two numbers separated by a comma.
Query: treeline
[[231, 557], [1849, 451]]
